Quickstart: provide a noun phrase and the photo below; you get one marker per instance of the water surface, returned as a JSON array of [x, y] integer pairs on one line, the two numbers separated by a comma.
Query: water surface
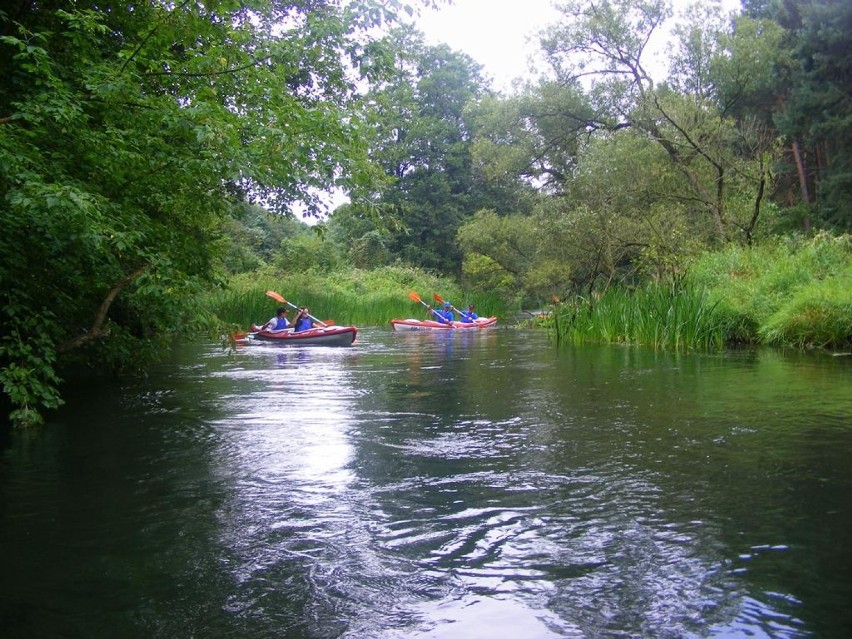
[[438, 486]]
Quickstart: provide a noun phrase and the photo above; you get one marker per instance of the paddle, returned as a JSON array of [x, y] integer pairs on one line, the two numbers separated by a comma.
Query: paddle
[[279, 298], [414, 297]]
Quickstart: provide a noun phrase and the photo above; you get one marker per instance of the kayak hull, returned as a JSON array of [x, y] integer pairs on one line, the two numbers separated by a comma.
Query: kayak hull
[[318, 336], [430, 325]]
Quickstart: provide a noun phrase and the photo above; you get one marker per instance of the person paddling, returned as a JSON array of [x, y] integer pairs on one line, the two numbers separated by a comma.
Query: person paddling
[[469, 316], [303, 321], [279, 322], [445, 315]]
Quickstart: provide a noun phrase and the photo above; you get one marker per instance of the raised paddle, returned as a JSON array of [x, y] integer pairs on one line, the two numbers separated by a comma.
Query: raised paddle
[[414, 297], [280, 298]]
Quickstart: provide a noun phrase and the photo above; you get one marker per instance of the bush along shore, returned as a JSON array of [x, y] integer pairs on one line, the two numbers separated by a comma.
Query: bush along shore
[[790, 292]]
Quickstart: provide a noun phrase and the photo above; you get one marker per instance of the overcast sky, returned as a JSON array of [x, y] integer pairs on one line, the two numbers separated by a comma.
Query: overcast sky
[[492, 32], [496, 33]]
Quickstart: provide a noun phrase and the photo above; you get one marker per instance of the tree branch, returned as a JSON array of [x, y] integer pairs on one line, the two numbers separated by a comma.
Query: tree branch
[[97, 330]]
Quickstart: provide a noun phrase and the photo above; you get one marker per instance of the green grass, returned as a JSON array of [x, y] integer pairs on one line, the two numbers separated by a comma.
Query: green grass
[[818, 315], [662, 317], [790, 291], [353, 296]]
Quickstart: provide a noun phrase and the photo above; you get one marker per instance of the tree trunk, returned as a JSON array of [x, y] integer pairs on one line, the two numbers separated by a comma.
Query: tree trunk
[[803, 180]]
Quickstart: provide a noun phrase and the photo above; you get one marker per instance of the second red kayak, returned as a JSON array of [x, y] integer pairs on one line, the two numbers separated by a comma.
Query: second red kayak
[[431, 325]]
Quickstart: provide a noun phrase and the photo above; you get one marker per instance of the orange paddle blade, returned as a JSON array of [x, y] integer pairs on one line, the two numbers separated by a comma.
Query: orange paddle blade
[[275, 296], [329, 322], [414, 297], [438, 298]]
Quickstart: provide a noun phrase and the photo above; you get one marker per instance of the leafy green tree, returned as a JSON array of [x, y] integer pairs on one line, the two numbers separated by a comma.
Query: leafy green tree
[[622, 221], [535, 135], [308, 250], [128, 133], [817, 114], [252, 238], [423, 137], [601, 46]]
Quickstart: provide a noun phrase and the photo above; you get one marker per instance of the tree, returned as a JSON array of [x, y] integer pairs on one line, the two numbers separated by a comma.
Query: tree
[[423, 136], [536, 135], [621, 220], [816, 117], [128, 131], [605, 42]]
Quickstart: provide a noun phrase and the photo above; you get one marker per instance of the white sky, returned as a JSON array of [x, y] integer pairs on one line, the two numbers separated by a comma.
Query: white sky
[[499, 34], [492, 32]]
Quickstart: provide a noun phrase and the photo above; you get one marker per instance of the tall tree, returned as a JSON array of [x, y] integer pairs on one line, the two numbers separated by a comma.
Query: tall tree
[[605, 43], [127, 131], [536, 135], [816, 116], [423, 139]]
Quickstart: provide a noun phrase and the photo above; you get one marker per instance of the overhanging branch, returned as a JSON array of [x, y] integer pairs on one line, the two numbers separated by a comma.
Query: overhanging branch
[[98, 330]]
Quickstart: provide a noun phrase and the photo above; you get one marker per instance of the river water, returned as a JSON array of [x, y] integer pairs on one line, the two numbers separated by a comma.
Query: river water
[[414, 486]]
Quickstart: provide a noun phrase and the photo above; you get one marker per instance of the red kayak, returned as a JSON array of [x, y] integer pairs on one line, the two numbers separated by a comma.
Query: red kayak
[[317, 336], [431, 325]]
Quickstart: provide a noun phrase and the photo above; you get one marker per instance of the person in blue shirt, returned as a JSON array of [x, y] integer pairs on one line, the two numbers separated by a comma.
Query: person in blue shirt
[[469, 316], [303, 321], [445, 315]]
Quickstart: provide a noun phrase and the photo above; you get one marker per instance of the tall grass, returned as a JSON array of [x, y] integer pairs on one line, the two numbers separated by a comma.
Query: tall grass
[[663, 317], [819, 315], [359, 297], [793, 291], [787, 292]]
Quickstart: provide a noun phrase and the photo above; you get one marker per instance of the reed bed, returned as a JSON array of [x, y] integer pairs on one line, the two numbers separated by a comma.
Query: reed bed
[[663, 317], [794, 291], [362, 298]]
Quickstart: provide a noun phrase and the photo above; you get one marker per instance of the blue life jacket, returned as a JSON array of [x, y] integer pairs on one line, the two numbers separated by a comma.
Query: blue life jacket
[[467, 317], [447, 315], [281, 323], [304, 324]]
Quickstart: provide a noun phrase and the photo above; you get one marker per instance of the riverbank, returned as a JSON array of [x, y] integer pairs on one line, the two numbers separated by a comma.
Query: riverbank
[[790, 292]]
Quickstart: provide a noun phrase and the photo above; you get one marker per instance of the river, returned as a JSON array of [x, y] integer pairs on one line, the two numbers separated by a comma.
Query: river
[[418, 486]]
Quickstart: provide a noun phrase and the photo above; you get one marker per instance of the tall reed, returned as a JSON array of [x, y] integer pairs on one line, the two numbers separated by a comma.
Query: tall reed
[[789, 291], [363, 298], [664, 317]]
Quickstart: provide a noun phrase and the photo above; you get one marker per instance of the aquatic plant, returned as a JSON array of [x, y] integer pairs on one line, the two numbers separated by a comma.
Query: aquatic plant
[[794, 291], [665, 317]]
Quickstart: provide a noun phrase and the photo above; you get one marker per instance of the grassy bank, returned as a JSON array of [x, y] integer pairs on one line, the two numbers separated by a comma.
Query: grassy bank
[[352, 296], [790, 292]]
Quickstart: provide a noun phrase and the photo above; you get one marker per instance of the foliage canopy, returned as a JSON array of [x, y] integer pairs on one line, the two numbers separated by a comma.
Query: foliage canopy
[[129, 132]]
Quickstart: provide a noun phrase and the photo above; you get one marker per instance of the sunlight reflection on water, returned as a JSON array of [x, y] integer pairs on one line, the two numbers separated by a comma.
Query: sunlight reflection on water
[[436, 487], [441, 523]]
